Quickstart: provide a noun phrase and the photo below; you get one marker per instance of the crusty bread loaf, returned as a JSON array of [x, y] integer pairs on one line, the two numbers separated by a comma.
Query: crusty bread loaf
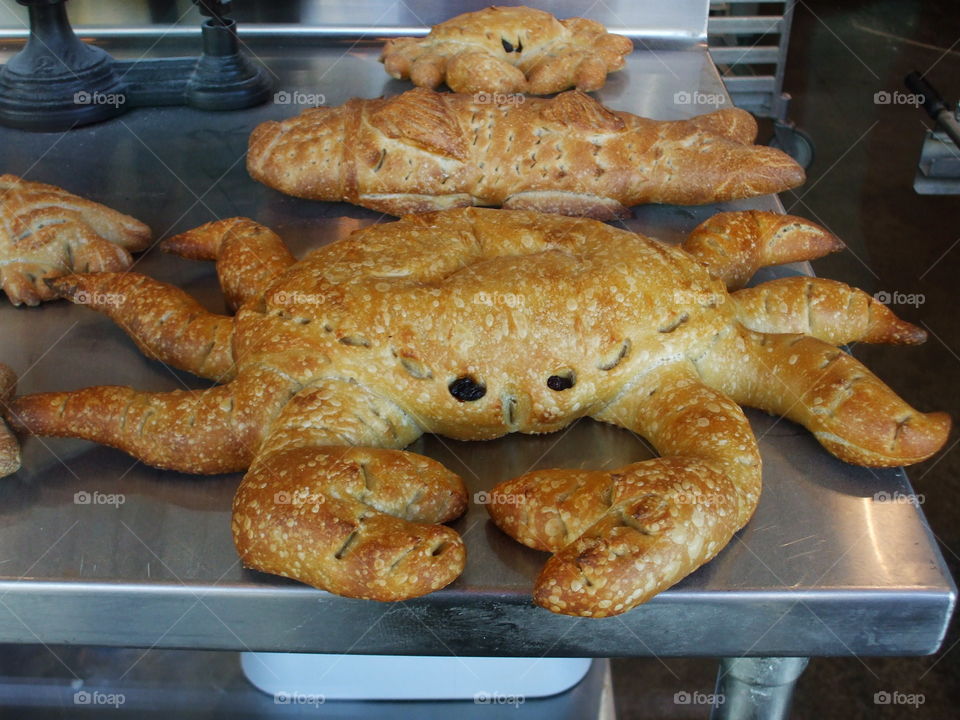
[[509, 50], [423, 151], [474, 323], [46, 232]]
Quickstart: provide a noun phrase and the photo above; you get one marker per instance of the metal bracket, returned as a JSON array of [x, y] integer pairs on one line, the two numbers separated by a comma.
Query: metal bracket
[[939, 169], [58, 82], [750, 688]]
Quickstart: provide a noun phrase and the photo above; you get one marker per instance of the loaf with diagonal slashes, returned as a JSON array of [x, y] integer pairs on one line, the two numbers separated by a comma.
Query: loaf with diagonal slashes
[[423, 151]]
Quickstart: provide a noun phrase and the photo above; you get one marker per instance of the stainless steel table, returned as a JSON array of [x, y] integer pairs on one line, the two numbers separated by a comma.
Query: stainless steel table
[[836, 561]]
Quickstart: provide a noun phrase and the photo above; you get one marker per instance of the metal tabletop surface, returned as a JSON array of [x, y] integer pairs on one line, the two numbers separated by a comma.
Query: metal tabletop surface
[[837, 559]]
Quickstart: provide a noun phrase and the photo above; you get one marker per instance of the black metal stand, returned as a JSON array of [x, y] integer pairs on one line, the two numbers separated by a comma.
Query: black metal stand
[[57, 82], [939, 169]]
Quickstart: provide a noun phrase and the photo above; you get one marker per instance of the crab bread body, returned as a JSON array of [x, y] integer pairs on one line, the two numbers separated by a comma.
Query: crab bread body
[[471, 324]]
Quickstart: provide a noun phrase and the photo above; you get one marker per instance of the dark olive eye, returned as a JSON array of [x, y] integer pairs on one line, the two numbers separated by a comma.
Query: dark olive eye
[[506, 45], [466, 389], [562, 381]]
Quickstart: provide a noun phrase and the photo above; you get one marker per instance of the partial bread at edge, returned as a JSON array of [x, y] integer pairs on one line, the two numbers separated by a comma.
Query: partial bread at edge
[[47, 232]]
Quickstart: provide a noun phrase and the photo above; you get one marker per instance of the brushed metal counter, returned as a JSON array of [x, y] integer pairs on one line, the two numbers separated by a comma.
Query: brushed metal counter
[[823, 568]]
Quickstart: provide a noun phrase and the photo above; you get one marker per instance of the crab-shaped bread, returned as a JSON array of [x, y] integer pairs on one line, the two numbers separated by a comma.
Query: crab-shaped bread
[[47, 232], [333, 364], [509, 50]]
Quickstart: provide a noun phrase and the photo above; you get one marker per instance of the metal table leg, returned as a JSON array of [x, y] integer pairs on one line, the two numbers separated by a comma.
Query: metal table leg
[[756, 688]]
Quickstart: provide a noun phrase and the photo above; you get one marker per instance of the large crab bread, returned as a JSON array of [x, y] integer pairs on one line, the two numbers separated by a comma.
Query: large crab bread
[[333, 364]]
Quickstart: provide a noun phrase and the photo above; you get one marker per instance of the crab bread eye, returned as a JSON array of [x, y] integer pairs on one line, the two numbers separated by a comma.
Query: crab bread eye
[[467, 389], [561, 381]]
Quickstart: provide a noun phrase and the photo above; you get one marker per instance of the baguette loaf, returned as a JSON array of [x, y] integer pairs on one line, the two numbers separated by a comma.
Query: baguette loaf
[[423, 151]]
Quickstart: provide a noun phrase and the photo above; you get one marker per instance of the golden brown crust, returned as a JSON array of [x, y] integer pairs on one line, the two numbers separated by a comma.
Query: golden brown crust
[[363, 520], [46, 232], [581, 112], [165, 323], [474, 323], [424, 151], [316, 417], [734, 245], [186, 430], [197, 431], [249, 256], [731, 123], [356, 522], [825, 309], [622, 536], [509, 50], [642, 545], [421, 118], [849, 410]]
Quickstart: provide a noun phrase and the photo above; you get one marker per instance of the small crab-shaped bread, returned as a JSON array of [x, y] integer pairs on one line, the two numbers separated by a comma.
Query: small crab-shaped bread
[[509, 50], [46, 232], [472, 324]]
